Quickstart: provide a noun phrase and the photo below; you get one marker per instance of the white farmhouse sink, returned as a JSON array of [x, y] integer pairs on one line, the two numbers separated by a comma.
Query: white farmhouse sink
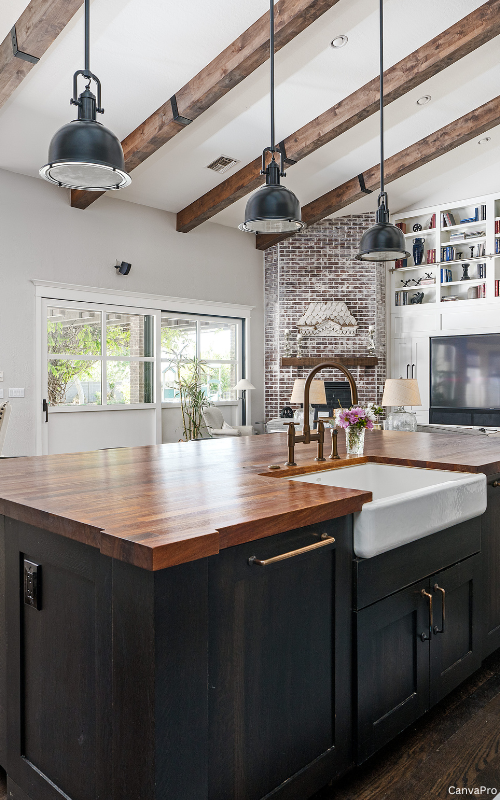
[[408, 503]]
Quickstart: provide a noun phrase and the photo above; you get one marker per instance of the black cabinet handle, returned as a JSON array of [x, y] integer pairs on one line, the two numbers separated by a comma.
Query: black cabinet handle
[[443, 597], [45, 409], [412, 370], [423, 637], [407, 371], [253, 560]]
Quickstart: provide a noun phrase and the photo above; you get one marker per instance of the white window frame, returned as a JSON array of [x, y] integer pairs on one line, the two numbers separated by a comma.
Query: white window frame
[[239, 360], [56, 293]]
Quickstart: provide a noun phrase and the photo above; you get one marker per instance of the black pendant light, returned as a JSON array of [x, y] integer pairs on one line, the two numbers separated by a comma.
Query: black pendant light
[[384, 241], [272, 208], [84, 154]]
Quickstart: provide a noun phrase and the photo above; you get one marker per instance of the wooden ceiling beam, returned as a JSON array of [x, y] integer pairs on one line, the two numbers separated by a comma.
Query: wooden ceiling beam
[[447, 48], [226, 71], [38, 26], [411, 158]]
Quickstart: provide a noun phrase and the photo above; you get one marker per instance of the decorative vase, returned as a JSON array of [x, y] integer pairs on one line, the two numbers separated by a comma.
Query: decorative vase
[[355, 441], [465, 272], [418, 251]]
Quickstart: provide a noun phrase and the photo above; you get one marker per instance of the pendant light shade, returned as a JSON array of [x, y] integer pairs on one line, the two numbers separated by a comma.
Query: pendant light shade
[[272, 208], [84, 154], [384, 241]]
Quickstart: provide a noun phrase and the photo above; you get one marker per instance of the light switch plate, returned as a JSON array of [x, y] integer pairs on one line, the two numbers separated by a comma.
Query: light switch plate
[[1, 376], [16, 392], [1, 394]]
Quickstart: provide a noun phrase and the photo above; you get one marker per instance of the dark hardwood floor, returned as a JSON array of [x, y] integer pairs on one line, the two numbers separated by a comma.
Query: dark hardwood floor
[[457, 744]]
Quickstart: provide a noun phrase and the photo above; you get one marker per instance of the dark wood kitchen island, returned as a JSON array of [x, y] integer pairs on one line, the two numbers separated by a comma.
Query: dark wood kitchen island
[[149, 656]]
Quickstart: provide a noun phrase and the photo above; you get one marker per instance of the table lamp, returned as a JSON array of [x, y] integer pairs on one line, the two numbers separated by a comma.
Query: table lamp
[[243, 386], [401, 392], [317, 396]]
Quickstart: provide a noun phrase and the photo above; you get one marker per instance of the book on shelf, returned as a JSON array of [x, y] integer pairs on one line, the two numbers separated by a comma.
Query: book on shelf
[[497, 226], [401, 226], [447, 253], [432, 223], [483, 212], [447, 219], [472, 292], [401, 263], [401, 298], [446, 275], [481, 270], [481, 291], [497, 288], [431, 256]]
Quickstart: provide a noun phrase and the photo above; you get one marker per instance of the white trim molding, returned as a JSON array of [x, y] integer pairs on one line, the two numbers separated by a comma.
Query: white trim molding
[[66, 291]]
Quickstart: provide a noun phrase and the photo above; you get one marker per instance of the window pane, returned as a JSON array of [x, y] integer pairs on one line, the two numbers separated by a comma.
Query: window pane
[[169, 391], [220, 381], [129, 334], [72, 382], [73, 331], [178, 338], [129, 382], [217, 340]]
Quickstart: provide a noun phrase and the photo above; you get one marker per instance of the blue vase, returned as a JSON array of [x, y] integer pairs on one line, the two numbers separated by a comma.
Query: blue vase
[[418, 251]]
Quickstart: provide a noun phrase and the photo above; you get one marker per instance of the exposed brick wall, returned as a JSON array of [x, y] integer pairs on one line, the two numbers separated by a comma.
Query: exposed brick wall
[[318, 265]]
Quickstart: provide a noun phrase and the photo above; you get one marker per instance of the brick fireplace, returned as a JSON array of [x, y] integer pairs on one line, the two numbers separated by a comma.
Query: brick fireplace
[[319, 265]]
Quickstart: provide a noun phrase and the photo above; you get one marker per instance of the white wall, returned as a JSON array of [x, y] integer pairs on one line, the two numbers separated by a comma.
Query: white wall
[[42, 237]]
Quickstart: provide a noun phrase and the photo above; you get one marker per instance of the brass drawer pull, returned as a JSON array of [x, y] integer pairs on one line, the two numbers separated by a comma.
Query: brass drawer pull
[[443, 596], [423, 637], [253, 560], [495, 484]]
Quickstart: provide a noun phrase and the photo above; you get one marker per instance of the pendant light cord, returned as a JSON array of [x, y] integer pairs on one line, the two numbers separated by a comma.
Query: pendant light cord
[[271, 56], [87, 35], [381, 34]]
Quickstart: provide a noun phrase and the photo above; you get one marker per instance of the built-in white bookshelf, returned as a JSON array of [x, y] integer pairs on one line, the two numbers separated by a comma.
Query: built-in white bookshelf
[[410, 327], [477, 248]]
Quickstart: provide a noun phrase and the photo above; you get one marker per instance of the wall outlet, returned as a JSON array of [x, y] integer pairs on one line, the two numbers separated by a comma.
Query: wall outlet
[[1, 376], [16, 392]]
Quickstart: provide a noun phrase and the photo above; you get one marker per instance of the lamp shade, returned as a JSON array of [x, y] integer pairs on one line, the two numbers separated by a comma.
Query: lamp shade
[[243, 385], [382, 242], [317, 394], [272, 209], [86, 155], [401, 392]]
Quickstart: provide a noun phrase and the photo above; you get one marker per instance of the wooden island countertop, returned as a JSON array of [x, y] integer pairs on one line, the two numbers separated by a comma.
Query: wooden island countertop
[[163, 505]]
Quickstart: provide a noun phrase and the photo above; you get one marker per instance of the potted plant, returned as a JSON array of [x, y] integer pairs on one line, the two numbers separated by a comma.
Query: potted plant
[[355, 421], [191, 384]]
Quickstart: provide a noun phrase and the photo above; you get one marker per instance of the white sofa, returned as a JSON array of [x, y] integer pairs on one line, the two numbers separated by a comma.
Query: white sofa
[[217, 426]]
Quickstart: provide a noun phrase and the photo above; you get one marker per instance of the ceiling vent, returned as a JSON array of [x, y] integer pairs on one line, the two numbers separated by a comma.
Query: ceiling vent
[[222, 164]]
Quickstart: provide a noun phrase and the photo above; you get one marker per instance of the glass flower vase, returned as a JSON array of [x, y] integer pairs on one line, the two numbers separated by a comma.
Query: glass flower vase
[[355, 441]]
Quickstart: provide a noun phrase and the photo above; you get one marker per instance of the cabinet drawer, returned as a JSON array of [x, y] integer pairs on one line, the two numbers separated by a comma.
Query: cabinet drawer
[[378, 577]]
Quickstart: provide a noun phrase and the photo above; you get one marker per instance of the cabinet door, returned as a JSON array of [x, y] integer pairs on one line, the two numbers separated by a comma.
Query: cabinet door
[[490, 545], [279, 643], [392, 666], [456, 641], [401, 358]]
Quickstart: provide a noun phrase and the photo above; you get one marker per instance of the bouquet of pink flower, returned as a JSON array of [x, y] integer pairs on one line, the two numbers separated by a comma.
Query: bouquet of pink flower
[[355, 417]]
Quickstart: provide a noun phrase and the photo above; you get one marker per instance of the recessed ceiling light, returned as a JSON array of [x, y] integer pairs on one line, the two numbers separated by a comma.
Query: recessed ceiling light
[[486, 139], [422, 101], [339, 41]]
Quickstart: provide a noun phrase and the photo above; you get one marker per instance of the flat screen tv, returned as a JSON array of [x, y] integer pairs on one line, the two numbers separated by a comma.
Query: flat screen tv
[[465, 372]]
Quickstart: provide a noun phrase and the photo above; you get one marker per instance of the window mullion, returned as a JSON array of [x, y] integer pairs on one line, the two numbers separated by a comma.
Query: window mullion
[[104, 363]]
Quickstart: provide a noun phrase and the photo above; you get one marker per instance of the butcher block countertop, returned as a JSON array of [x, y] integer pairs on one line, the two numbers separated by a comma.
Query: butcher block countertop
[[163, 505]]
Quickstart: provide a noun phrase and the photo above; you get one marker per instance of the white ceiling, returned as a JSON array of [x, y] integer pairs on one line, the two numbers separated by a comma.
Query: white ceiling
[[145, 50]]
